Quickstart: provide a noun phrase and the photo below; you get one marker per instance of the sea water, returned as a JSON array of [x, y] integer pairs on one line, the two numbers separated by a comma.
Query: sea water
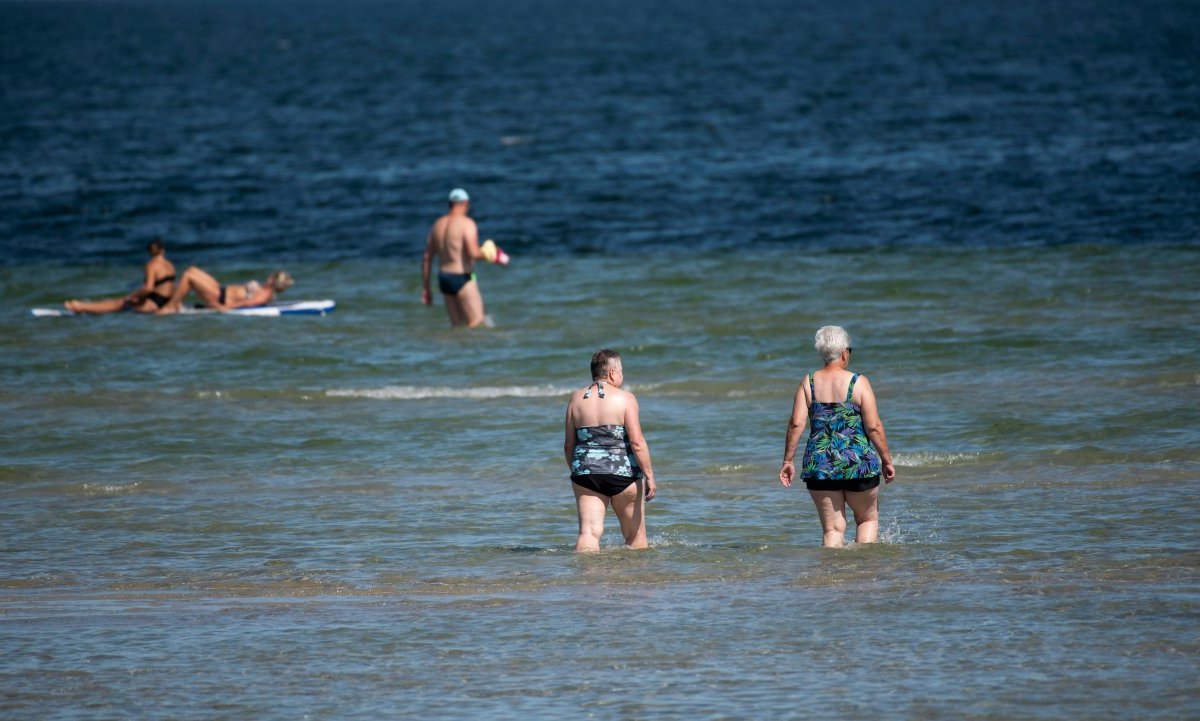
[[367, 515]]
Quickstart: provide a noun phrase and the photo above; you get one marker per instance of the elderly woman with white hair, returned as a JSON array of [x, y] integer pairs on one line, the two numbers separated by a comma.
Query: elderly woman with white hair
[[847, 451]]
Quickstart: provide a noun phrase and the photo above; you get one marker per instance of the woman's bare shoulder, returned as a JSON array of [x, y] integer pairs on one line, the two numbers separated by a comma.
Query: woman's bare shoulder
[[862, 389], [622, 393], [627, 399]]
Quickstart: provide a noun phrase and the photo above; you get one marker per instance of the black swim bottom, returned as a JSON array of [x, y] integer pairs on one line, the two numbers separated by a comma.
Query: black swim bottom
[[452, 283], [159, 299], [606, 484], [853, 485]]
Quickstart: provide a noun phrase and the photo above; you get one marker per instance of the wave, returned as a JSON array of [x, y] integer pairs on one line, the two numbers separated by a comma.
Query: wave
[[108, 489], [410, 393], [926, 459]]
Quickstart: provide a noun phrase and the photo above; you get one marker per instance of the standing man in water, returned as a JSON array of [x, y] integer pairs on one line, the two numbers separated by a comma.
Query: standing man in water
[[454, 239]]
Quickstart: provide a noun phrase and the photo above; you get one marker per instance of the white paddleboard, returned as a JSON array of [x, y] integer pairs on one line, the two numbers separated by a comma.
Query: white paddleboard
[[270, 310]]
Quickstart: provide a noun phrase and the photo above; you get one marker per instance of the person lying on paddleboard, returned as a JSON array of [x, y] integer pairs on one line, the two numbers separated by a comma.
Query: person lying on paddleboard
[[154, 294], [226, 297]]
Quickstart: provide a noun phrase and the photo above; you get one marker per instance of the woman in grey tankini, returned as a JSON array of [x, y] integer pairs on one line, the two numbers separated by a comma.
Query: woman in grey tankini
[[608, 455]]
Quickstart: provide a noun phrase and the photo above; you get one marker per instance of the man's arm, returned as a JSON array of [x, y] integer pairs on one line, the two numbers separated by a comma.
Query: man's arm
[[471, 238], [426, 270]]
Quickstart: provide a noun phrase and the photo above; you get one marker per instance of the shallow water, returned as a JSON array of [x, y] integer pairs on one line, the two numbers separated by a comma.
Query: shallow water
[[367, 515]]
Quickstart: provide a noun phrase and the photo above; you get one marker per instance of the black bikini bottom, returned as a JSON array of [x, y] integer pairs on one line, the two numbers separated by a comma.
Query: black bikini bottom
[[853, 485], [606, 484], [452, 283]]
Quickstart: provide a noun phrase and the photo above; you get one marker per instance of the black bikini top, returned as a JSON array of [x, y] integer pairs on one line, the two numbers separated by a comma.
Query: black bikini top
[[164, 279]]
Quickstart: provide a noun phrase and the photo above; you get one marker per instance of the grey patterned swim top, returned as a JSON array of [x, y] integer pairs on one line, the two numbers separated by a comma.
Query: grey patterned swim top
[[603, 449]]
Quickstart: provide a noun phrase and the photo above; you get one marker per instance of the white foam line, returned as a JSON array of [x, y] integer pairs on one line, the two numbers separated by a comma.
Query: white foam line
[[934, 459], [408, 393], [110, 488]]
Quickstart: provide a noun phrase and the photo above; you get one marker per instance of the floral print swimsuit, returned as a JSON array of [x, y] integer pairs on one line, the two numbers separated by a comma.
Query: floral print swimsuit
[[603, 450], [838, 447]]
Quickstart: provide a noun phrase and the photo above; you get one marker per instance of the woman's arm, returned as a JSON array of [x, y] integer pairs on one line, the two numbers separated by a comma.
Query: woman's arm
[[873, 425], [637, 442], [795, 429], [147, 288], [261, 296], [569, 441]]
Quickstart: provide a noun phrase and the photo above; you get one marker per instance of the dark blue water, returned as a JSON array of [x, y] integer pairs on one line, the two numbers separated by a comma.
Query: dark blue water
[[282, 131], [367, 515]]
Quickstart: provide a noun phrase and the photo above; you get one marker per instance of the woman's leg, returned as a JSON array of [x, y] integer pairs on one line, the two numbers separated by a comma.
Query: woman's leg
[[831, 506], [194, 279], [112, 305], [591, 507], [630, 507], [146, 306], [865, 505]]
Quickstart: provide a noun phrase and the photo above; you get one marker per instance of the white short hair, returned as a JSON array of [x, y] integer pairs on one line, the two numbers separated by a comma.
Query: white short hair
[[831, 340]]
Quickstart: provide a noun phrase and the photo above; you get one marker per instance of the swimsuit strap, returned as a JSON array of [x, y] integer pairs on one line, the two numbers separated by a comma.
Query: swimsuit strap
[[812, 394], [599, 389], [850, 390]]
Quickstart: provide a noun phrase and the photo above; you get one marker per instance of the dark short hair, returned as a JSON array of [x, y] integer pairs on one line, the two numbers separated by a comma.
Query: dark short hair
[[601, 360], [155, 246]]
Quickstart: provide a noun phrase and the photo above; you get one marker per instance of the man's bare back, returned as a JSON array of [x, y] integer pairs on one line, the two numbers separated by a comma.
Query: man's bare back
[[451, 239], [454, 241]]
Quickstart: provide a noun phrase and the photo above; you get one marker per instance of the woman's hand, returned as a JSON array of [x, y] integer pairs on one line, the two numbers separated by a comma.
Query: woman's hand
[[651, 489], [889, 472], [787, 473]]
